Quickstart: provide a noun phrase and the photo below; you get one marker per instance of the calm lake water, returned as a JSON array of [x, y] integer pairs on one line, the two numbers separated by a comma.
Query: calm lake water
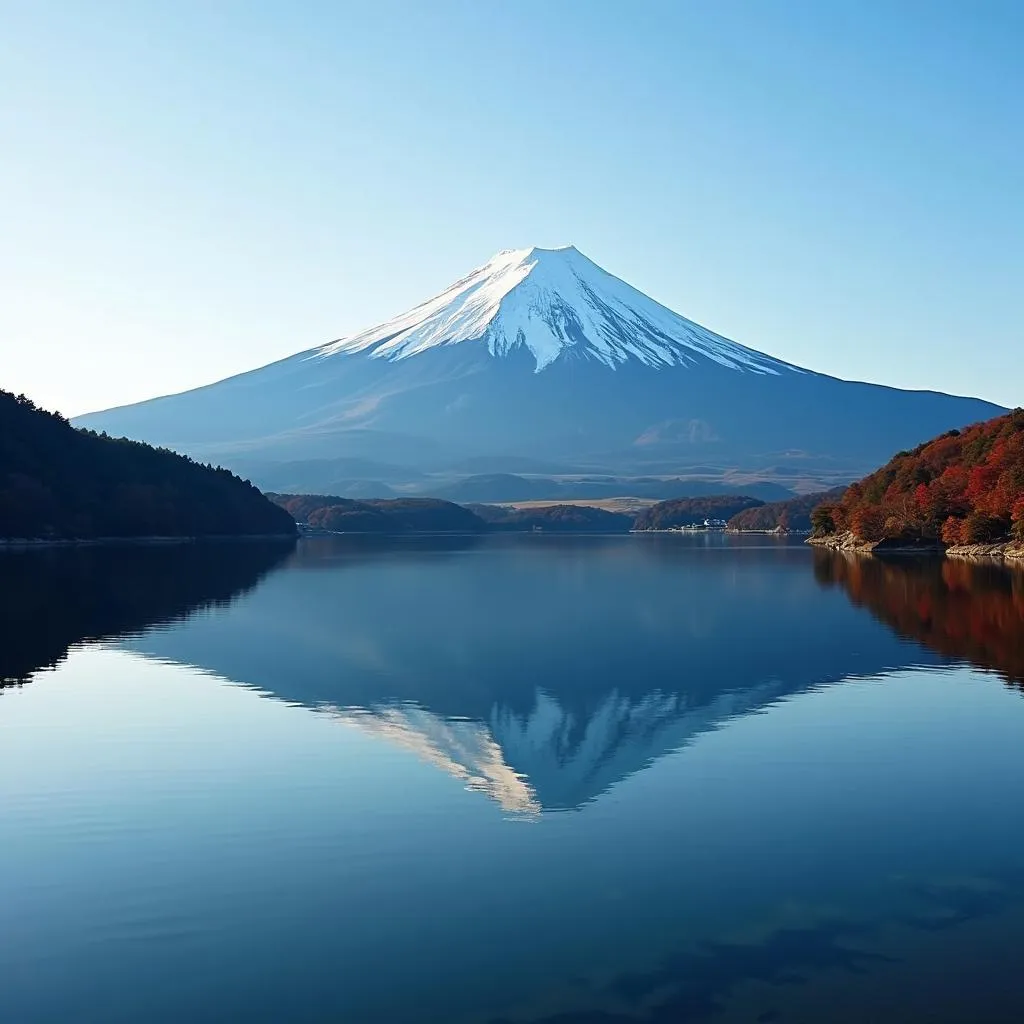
[[535, 780]]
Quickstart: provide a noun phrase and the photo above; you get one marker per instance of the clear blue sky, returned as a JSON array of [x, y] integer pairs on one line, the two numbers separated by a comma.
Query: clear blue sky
[[191, 189]]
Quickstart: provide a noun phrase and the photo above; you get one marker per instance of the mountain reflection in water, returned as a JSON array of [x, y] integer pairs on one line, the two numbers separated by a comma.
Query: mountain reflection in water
[[760, 784], [541, 671], [542, 679]]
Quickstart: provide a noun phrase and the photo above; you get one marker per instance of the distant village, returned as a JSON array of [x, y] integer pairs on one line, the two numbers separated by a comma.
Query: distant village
[[708, 524]]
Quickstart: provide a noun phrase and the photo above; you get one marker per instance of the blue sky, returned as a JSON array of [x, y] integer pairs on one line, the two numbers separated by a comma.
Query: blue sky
[[193, 189]]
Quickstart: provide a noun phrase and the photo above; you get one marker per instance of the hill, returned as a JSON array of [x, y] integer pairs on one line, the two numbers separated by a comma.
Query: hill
[[554, 519], [385, 515], [793, 514], [667, 515], [57, 482], [963, 487], [540, 355]]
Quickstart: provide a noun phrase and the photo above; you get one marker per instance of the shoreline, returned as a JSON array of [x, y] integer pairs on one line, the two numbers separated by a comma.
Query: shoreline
[[774, 532], [1006, 550], [46, 543]]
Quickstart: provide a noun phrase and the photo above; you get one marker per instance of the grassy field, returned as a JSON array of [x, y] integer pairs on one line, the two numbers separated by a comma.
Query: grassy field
[[625, 505]]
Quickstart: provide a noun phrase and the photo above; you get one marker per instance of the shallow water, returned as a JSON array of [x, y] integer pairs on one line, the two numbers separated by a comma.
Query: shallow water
[[520, 779]]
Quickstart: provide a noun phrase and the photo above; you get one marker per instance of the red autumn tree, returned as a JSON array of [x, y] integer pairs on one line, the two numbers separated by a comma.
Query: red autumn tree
[[953, 531]]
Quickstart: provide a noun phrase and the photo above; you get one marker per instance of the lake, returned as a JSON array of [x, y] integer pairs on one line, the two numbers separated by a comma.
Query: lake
[[532, 779]]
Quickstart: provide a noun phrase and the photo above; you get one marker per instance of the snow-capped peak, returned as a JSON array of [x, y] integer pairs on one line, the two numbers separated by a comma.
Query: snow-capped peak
[[552, 301]]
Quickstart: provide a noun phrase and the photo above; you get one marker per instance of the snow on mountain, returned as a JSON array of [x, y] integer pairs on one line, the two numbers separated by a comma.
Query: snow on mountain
[[463, 748], [537, 356], [552, 301], [547, 759]]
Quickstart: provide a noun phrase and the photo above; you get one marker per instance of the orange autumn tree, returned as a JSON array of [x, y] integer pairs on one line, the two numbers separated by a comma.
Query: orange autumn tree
[[964, 487]]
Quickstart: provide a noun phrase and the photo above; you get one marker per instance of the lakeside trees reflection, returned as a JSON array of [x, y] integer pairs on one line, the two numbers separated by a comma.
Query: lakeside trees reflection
[[55, 598], [969, 611]]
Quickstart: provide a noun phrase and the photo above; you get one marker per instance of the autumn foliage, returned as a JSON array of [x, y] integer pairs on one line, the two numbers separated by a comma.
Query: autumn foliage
[[964, 487]]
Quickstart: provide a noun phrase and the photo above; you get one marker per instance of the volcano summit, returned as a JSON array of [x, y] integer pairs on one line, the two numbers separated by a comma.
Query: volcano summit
[[555, 303], [540, 356]]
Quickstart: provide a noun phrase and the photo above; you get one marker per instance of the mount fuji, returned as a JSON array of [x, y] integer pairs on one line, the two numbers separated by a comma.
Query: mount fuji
[[539, 358]]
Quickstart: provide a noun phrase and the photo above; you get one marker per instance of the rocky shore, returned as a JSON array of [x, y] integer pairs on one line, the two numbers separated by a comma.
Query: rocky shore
[[1009, 549], [846, 541]]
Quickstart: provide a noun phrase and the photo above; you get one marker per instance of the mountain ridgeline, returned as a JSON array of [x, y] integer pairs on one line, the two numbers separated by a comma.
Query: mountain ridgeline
[[59, 483], [538, 356], [963, 487], [331, 513]]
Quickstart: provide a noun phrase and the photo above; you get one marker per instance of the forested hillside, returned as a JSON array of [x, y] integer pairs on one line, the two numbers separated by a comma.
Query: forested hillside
[[554, 519], [693, 511], [380, 515], [57, 482], [964, 487], [793, 514]]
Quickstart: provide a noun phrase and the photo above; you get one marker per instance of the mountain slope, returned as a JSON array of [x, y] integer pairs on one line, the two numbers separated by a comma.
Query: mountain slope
[[540, 354]]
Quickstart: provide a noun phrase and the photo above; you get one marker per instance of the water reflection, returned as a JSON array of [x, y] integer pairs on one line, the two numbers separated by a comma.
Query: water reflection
[[708, 982], [539, 672], [53, 599], [543, 759], [969, 611], [836, 840]]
